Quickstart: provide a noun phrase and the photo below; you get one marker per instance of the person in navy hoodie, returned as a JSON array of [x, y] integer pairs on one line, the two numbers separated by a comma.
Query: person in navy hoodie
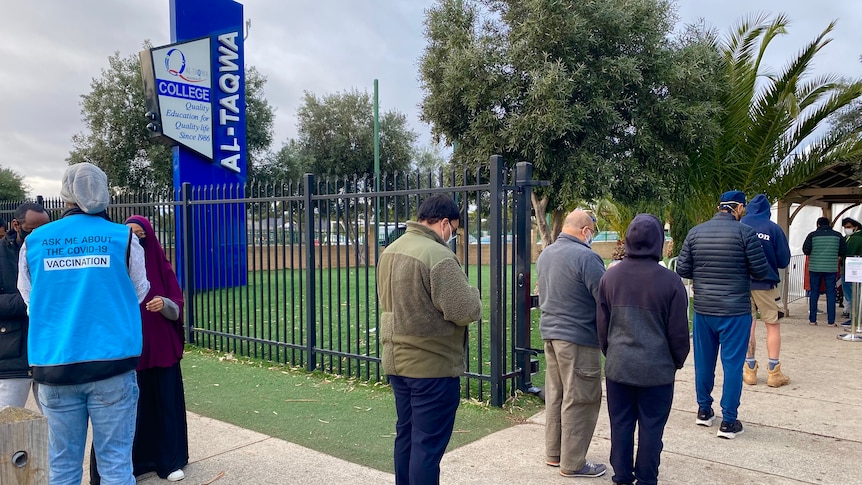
[[764, 293], [643, 332]]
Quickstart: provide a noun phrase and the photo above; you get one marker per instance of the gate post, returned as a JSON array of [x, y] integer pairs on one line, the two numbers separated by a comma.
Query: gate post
[[498, 385], [523, 286], [310, 300], [188, 261]]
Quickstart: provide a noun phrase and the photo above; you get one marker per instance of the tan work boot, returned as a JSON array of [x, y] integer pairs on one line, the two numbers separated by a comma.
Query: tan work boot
[[749, 375], [776, 378]]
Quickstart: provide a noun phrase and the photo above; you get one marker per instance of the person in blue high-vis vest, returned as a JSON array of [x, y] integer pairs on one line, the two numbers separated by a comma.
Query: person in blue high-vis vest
[[82, 278]]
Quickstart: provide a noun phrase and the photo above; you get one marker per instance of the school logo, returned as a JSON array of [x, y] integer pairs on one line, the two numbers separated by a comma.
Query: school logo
[[175, 64]]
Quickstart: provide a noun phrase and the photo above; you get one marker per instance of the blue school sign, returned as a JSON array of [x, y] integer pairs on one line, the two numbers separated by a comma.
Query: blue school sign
[[195, 91], [221, 21]]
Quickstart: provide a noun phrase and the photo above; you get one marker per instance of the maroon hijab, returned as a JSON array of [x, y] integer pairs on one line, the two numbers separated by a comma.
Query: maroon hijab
[[163, 338]]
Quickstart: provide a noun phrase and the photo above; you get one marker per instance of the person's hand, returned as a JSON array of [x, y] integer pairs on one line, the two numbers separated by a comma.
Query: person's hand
[[156, 304]]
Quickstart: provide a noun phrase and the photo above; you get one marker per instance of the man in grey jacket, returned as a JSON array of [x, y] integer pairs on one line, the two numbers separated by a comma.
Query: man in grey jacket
[[569, 274], [721, 256]]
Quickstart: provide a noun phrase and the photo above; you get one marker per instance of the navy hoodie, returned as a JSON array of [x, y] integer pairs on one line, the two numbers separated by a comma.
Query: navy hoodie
[[642, 313], [772, 239]]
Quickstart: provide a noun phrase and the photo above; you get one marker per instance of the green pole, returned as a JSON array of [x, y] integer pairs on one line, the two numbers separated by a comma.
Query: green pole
[[376, 166]]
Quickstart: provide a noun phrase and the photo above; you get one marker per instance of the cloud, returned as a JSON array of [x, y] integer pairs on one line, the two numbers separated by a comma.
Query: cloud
[[52, 50]]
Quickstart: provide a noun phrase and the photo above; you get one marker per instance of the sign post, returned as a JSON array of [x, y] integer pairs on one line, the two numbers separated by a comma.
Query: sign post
[[853, 274]]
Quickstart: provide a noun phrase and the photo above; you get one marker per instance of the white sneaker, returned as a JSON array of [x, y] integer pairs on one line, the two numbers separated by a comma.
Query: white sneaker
[[176, 476]]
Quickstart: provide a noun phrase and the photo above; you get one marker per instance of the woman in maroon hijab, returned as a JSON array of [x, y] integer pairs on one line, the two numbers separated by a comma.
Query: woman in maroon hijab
[[161, 436]]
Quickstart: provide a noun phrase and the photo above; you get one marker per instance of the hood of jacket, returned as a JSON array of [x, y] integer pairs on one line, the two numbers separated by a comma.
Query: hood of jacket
[[644, 237], [759, 207]]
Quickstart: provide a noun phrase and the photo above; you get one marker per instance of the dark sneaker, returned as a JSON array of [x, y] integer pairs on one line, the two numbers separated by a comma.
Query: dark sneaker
[[705, 417], [590, 470], [729, 430]]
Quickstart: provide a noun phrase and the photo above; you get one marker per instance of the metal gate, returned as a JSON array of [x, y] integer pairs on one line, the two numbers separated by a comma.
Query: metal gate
[[301, 268]]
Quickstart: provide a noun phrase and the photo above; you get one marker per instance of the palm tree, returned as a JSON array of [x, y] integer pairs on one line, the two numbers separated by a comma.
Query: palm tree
[[613, 215], [774, 132]]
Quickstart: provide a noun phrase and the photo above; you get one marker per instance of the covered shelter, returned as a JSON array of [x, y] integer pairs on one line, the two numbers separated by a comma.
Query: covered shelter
[[836, 184]]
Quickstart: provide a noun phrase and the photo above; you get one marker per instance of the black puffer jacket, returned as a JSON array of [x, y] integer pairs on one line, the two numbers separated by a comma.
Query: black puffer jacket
[[722, 256], [13, 315]]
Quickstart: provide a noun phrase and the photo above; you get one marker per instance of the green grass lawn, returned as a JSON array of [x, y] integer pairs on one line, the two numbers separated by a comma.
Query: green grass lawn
[[271, 309], [269, 314], [347, 418], [344, 416]]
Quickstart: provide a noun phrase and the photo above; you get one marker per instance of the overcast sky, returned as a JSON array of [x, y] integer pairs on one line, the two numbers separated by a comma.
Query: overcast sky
[[51, 49]]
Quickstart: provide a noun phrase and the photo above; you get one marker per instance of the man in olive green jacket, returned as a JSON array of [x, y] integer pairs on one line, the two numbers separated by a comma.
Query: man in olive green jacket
[[425, 306]]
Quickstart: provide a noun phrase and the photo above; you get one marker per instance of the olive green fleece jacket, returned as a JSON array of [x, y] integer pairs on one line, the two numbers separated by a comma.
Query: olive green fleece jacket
[[425, 306]]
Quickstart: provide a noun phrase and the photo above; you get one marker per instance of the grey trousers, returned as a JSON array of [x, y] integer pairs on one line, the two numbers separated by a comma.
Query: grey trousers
[[13, 392], [573, 397]]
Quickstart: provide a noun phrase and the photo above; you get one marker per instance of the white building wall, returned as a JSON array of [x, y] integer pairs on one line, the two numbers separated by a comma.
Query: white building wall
[[806, 221]]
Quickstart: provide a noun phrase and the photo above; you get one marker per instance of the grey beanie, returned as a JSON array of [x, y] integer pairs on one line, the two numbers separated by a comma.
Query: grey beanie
[[86, 185]]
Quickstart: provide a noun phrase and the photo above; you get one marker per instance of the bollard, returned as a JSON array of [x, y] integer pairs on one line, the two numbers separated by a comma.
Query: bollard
[[23, 447], [855, 315]]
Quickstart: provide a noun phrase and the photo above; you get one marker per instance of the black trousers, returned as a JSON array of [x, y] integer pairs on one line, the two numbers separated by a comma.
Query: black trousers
[[426, 416], [648, 408]]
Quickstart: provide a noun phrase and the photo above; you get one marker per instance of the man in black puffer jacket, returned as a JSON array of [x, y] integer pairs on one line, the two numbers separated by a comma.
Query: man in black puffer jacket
[[721, 256], [15, 373]]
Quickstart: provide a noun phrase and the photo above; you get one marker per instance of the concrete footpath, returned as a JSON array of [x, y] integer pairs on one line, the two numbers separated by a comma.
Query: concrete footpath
[[809, 431]]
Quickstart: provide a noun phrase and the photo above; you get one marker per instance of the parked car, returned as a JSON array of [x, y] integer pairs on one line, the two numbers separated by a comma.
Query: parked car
[[395, 231], [607, 236], [335, 240], [487, 239]]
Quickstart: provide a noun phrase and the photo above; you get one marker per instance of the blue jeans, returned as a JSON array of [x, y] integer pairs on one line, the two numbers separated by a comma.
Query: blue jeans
[[426, 415], [848, 296], [731, 334], [829, 279], [111, 406]]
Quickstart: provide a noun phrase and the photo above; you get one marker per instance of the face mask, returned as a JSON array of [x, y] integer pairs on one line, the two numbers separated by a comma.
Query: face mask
[[452, 234], [24, 233], [589, 240], [849, 230]]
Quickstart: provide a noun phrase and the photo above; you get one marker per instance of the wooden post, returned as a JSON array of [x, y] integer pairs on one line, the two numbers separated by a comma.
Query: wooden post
[[783, 217], [23, 447]]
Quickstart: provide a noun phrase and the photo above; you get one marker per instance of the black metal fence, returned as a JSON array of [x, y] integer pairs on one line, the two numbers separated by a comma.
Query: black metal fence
[[307, 292]]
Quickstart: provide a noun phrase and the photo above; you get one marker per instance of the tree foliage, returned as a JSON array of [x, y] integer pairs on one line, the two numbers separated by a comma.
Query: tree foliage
[[285, 165], [115, 136], [336, 135], [428, 160], [12, 186], [597, 95], [773, 133], [849, 121]]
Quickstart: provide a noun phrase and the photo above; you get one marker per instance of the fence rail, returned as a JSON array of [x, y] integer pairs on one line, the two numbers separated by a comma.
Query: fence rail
[[795, 280], [298, 273]]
